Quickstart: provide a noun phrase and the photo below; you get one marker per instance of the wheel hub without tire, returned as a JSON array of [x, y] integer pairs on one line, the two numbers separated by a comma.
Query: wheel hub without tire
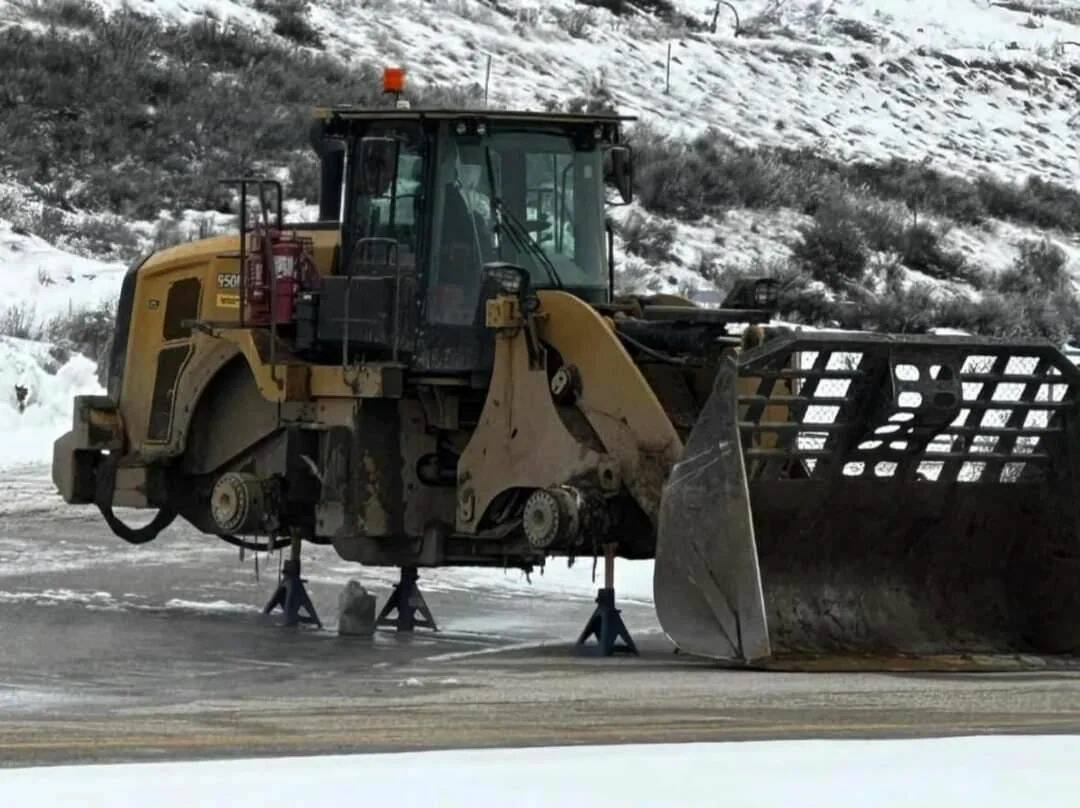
[[236, 503], [550, 517]]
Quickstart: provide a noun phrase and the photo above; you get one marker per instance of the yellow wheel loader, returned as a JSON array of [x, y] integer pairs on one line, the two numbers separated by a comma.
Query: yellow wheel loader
[[438, 373]]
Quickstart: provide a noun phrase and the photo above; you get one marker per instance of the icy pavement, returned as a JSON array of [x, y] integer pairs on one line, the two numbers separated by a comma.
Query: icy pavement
[[27, 491], [64, 576], [113, 653], [984, 772]]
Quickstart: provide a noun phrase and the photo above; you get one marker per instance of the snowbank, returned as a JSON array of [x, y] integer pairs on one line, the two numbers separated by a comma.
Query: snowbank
[[51, 385], [984, 772], [47, 281], [43, 282]]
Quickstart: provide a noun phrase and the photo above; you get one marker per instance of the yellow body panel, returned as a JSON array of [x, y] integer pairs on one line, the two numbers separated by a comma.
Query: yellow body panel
[[615, 398], [216, 263], [520, 441]]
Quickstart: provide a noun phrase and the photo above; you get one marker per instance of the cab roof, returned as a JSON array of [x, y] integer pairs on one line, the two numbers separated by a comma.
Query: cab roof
[[352, 113]]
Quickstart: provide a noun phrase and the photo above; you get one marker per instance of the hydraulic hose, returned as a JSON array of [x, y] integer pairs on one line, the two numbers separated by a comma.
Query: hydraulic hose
[[255, 546], [236, 541], [106, 485], [137, 535]]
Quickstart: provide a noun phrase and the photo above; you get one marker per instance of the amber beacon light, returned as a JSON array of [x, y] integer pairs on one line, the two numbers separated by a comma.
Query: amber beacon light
[[393, 80]]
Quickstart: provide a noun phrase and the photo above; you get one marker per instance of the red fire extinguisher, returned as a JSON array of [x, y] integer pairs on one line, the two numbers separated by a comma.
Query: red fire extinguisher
[[272, 297]]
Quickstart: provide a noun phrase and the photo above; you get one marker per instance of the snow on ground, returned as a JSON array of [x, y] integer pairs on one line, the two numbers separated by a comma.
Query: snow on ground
[[736, 238], [758, 241], [633, 579], [51, 387], [981, 771], [108, 602], [37, 283], [189, 225], [48, 281]]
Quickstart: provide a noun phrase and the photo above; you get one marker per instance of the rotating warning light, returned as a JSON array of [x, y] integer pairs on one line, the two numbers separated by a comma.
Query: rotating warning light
[[393, 80]]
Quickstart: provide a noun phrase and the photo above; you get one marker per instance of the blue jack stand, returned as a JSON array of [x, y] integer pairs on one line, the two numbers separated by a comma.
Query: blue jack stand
[[291, 594], [606, 623], [406, 600]]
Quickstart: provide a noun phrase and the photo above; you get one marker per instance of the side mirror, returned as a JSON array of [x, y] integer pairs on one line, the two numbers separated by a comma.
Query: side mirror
[[762, 294], [619, 171], [500, 277], [378, 165]]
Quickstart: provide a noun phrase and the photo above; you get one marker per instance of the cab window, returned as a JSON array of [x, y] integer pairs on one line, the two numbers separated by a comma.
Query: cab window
[[535, 183], [395, 212]]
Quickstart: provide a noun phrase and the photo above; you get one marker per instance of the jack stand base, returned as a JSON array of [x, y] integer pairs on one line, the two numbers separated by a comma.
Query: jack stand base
[[292, 597], [406, 600], [608, 627]]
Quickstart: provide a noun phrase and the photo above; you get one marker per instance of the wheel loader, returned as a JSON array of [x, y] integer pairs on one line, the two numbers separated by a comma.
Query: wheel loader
[[438, 372]]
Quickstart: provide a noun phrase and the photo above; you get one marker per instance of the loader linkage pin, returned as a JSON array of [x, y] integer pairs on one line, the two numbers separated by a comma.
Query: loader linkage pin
[[291, 594], [606, 623], [406, 600]]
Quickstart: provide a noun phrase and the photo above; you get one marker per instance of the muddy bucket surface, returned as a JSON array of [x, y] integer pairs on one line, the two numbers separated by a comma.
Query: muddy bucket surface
[[869, 496]]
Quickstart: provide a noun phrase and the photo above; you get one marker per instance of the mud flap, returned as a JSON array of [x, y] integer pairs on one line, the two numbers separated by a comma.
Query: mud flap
[[707, 585], [74, 470]]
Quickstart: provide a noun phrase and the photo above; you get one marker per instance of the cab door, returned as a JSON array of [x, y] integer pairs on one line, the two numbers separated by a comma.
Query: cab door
[[160, 347]]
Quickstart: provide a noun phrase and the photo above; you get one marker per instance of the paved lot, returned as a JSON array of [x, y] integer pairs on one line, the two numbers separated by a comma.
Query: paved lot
[[110, 652]]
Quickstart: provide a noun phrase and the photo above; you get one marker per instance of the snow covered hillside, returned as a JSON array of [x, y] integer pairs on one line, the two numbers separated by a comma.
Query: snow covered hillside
[[968, 88], [813, 93], [45, 282], [968, 85]]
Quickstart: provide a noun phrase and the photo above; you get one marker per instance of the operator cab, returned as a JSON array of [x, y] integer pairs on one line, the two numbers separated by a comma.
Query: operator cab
[[436, 206]]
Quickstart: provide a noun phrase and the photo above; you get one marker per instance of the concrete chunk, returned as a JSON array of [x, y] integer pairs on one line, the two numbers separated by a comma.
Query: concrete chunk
[[356, 611]]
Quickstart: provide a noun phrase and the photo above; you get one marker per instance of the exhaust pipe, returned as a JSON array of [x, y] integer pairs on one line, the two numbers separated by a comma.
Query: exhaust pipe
[[331, 152]]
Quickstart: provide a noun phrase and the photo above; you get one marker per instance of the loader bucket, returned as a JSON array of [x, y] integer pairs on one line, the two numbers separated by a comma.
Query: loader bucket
[[850, 495]]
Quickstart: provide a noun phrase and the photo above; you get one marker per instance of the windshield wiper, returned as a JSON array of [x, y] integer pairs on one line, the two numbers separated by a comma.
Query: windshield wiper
[[516, 230], [524, 240]]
